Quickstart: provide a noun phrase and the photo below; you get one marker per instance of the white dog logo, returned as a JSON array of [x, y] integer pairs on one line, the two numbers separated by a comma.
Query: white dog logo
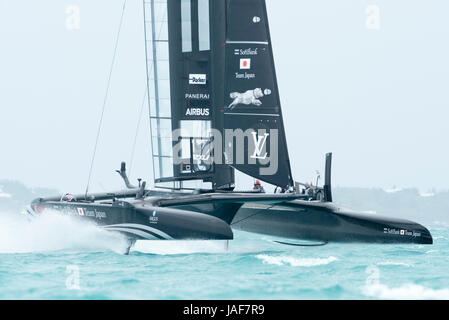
[[250, 97]]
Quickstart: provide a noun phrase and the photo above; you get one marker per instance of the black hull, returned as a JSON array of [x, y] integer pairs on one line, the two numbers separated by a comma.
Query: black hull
[[140, 220], [178, 216], [325, 222]]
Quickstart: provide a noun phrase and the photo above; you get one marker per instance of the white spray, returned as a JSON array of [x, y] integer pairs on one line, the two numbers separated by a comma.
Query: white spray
[[54, 232]]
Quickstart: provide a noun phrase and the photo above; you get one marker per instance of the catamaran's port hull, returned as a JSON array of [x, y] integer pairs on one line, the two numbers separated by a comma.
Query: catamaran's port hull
[[325, 222], [139, 220]]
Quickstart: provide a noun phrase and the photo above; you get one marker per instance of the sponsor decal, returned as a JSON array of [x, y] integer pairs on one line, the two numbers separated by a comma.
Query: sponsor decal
[[250, 97], [246, 52], [197, 79], [245, 64], [245, 75], [154, 219], [198, 112], [402, 232], [91, 213], [197, 96], [39, 208], [100, 215], [197, 105], [259, 146]]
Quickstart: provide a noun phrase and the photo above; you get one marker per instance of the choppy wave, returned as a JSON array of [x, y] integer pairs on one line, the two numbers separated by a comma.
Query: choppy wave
[[393, 263], [54, 232], [405, 292], [250, 268], [443, 224], [5, 195], [295, 262]]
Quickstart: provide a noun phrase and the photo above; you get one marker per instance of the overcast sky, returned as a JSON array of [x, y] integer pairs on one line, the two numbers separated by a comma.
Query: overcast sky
[[373, 89]]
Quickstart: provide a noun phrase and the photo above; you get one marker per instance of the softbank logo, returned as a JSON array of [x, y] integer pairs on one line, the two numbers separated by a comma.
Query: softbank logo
[[197, 79]]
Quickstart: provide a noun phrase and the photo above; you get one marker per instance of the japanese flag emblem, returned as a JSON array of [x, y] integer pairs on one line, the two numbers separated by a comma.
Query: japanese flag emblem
[[245, 64]]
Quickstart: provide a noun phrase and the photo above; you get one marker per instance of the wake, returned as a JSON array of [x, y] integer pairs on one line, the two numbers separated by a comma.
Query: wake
[[55, 232], [52, 232], [295, 262], [180, 247], [405, 292]]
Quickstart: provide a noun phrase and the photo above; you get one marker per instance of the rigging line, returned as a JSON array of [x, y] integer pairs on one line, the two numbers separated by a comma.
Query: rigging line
[[253, 215], [137, 130], [106, 97]]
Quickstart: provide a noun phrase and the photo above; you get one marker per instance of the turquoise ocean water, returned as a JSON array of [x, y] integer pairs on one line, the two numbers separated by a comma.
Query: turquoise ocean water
[[54, 257]]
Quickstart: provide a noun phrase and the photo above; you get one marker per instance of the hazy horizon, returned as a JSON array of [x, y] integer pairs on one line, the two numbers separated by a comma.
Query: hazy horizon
[[372, 92]]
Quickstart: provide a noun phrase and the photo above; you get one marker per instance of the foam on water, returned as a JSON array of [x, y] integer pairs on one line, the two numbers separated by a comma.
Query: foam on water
[[52, 231], [393, 263], [180, 247], [405, 292], [240, 245], [295, 262]]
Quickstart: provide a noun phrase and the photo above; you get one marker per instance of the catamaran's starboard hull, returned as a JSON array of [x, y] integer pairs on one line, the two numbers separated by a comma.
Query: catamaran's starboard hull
[[140, 221], [325, 222]]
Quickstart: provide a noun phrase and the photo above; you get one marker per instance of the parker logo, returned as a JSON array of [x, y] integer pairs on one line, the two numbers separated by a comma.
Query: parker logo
[[245, 64], [197, 79]]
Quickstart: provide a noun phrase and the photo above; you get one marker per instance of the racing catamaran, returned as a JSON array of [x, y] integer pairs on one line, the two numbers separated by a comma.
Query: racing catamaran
[[215, 108]]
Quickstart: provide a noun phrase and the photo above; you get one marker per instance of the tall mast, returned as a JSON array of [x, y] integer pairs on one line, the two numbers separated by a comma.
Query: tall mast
[[158, 82], [193, 33], [210, 69]]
